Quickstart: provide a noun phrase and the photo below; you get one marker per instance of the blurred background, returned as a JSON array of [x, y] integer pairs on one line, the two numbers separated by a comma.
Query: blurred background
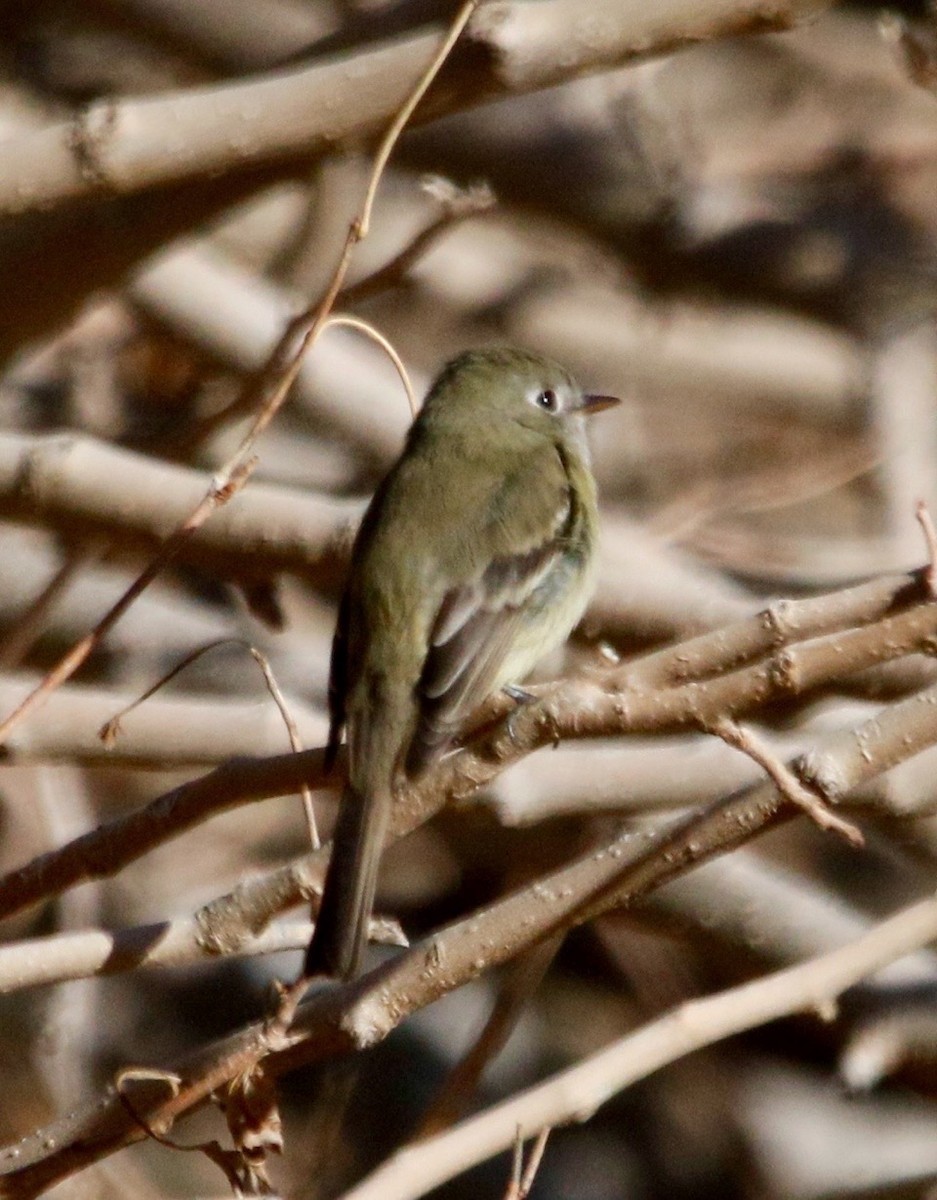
[[739, 240]]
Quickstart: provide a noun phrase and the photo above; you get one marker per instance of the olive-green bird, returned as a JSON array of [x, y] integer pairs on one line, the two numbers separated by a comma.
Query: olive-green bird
[[475, 558]]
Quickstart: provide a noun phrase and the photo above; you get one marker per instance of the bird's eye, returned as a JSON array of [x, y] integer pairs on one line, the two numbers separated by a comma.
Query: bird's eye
[[547, 400]]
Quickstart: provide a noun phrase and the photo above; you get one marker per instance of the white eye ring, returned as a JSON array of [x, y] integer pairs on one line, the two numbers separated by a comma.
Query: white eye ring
[[547, 399]]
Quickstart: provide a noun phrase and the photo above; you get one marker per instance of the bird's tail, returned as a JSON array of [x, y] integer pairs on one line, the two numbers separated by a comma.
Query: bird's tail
[[341, 929]]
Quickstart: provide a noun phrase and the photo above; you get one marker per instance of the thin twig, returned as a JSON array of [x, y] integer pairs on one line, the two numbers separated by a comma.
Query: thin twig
[[533, 1162], [147, 1075], [520, 1182], [222, 489], [110, 730], [784, 779], [458, 205], [18, 641], [296, 742], [231, 1162], [924, 519], [517, 1166], [406, 112], [280, 372], [376, 336]]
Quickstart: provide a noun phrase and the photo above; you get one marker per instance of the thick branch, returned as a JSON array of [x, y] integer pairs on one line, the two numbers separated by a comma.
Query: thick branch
[[36, 962], [568, 709], [104, 850], [82, 487], [359, 1014], [575, 1094], [177, 730], [515, 47]]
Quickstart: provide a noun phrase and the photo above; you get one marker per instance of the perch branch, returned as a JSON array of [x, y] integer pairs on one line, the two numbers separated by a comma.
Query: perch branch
[[575, 1094]]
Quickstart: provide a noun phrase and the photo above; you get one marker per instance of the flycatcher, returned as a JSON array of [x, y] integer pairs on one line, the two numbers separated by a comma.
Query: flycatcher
[[475, 559]]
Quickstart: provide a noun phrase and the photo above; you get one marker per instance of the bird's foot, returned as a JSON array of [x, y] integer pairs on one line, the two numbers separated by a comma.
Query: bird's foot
[[521, 699]]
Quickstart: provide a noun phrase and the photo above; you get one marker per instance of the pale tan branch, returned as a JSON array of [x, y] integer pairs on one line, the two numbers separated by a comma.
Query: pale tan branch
[[105, 850], [707, 357], [182, 730], [575, 1094], [38, 962], [125, 145], [598, 707], [82, 487], [362, 1013], [774, 915]]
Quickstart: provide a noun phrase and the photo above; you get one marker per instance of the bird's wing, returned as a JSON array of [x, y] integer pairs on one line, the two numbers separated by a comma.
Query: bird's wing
[[474, 631], [338, 683]]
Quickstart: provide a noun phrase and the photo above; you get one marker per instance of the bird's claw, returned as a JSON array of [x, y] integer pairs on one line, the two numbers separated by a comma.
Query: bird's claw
[[521, 699]]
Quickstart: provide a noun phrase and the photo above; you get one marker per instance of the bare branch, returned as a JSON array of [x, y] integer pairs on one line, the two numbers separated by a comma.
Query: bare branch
[[79, 486], [359, 1014], [575, 1094], [126, 145], [183, 730], [784, 780], [105, 850], [38, 962], [575, 708]]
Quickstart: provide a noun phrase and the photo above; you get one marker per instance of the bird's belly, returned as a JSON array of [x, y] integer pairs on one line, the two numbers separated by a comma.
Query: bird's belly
[[551, 613]]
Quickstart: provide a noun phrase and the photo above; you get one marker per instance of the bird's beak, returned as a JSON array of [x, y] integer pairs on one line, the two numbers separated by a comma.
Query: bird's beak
[[592, 404]]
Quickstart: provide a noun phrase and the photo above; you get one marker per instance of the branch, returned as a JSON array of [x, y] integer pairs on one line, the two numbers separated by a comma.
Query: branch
[[126, 145], [359, 1014], [271, 390], [785, 780], [778, 625], [82, 487], [38, 962], [575, 1094], [639, 776], [769, 913], [595, 707], [177, 730], [801, 370], [103, 851]]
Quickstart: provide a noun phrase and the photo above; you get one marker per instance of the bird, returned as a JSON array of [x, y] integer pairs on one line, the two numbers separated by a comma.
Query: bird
[[475, 558]]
